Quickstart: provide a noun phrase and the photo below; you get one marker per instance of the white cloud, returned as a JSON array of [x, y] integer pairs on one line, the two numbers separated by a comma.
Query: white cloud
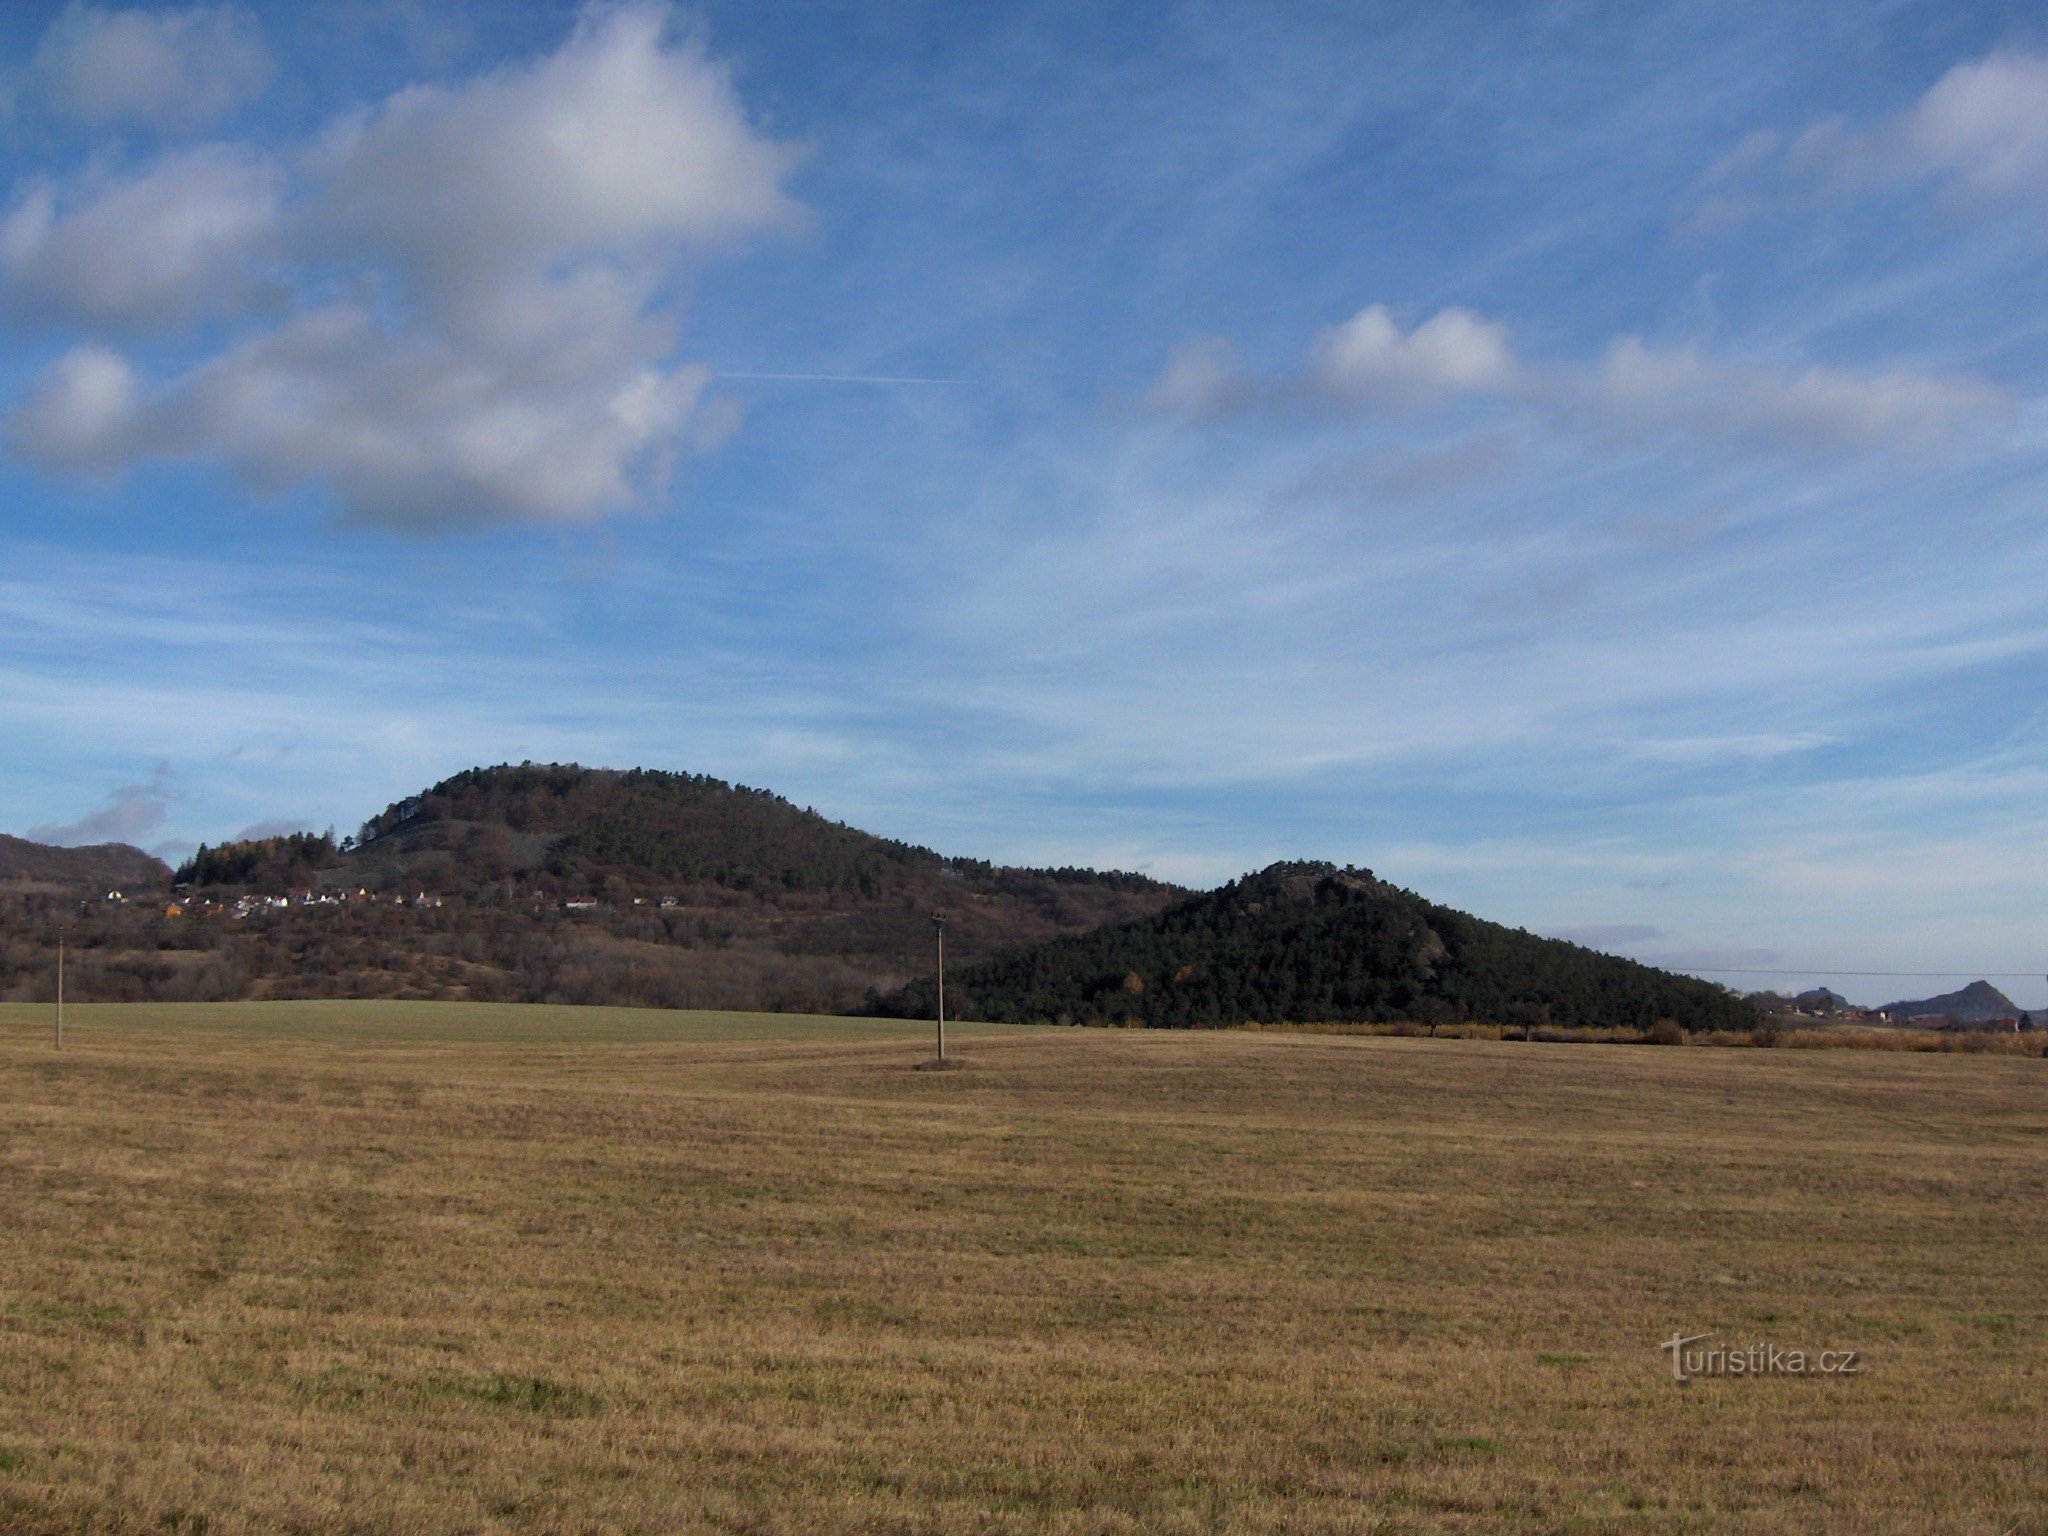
[[165, 69], [1981, 130], [79, 412], [1370, 357], [405, 429], [1367, 361], [1987, 124], [1811, 409], [1368, 364], [501, 347], [150, 251], [1201, 378], [409, 430], [618, 147]]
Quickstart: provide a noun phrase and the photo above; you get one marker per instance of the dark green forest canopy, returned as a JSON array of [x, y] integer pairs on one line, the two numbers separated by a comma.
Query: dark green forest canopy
[[1316, 943], [674, 826], [290, 860]]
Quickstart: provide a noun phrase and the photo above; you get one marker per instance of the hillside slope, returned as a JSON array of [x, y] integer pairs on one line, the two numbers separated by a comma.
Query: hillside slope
[[1975, 1003], [1312, 942], [568, 884], [105, 865]]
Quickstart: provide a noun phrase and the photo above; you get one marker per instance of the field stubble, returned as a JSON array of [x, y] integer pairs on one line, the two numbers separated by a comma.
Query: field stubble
[[419, 1269]]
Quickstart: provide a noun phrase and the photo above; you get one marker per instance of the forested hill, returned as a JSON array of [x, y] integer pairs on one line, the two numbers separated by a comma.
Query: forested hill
[[1312, 942], [103, 864], [550, 883], [574, 831]]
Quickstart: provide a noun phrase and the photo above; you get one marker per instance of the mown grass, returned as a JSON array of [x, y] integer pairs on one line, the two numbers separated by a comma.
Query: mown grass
[[314, 1021], [420, 1268]]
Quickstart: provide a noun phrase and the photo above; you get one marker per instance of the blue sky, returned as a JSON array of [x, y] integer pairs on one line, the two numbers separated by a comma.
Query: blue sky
[[1583, 463]]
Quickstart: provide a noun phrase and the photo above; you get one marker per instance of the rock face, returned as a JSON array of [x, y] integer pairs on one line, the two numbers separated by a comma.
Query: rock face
[[107, 865], [1314, 942], [1978, 1001]]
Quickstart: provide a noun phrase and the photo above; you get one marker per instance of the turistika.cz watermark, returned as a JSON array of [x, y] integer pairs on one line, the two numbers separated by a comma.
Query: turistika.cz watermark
[[1692, 1358]]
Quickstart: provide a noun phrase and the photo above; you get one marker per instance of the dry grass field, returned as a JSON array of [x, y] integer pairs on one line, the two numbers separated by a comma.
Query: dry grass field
[[413, 1268]]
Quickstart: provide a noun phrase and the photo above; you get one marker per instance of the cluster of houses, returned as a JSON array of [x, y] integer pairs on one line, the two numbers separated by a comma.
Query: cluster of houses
[[249, 904]]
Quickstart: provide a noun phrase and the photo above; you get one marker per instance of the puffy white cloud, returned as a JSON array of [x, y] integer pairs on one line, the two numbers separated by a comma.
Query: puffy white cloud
[[618, 147], [462, 293], [148, 251], [1454, 351], [408, 430], [167, 69]]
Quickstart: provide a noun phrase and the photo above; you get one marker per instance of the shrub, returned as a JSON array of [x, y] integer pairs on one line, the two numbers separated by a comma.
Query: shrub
[[1665, 1032]]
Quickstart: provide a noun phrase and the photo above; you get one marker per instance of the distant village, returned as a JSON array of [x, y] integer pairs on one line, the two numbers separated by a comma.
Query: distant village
[[249, 905]]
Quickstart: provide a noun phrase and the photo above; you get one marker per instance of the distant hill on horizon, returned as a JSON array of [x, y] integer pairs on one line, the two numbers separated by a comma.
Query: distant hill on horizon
[[104, 865], [1822, 1000], [1312, 942], [1973, 1004]]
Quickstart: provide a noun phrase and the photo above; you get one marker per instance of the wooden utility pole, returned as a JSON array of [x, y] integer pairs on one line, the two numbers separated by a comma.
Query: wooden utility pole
[[939, 926], [60, 992]]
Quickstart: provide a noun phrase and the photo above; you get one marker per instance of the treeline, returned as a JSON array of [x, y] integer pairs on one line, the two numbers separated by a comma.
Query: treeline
[[273, 864], [630, 956], [1313, 943]]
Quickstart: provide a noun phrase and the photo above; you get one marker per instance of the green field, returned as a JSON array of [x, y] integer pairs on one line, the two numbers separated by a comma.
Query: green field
[[440, 1268]]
